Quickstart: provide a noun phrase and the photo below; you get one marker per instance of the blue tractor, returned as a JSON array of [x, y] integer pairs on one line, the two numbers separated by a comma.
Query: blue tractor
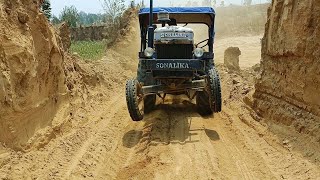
[[170, 62]]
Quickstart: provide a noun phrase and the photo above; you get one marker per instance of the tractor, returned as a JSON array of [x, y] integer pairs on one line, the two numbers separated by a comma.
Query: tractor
[[172, 63]]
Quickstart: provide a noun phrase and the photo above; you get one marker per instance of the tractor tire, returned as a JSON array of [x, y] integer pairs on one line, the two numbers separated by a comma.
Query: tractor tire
[[141, 75], [203, 103], [215, 90], [135, 101], [149, 103]]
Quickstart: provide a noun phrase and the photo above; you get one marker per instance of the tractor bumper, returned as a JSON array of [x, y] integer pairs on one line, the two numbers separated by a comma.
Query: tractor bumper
[[197, 85]]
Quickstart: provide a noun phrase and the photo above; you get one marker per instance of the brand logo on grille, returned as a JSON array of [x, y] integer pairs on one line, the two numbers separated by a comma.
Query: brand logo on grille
[[173, 35], [172, 66]]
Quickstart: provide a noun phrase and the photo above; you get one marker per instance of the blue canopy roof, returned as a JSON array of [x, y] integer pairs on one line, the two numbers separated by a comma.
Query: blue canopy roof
[[178, 10], [181, 14]]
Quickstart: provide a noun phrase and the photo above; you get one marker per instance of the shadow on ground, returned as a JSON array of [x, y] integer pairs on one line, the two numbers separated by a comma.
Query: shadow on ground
[[170, 124]]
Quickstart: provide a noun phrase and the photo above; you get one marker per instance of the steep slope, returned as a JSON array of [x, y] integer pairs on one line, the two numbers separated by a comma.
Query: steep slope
[[31, 71], [288, 91]]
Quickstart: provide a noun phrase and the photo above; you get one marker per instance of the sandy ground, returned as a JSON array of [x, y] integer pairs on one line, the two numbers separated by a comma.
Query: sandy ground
[[173, 142]]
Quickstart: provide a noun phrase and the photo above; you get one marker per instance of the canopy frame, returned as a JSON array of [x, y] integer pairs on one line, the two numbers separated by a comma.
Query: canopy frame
[[190, 15]]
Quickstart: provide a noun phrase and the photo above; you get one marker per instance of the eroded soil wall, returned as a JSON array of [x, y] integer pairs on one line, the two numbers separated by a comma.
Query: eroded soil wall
[[31, 71], [288, 91]]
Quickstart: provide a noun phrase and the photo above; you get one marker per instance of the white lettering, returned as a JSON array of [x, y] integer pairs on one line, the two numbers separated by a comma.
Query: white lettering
[[172, 66], [173, 35]]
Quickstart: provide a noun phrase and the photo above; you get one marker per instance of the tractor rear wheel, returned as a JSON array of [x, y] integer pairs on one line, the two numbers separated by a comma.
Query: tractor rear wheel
[[149, 103], [203, 103], [209, 101], [135, 100]]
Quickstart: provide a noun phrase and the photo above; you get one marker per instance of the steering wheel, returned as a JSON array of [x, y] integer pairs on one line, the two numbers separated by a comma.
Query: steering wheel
[[206, 40]]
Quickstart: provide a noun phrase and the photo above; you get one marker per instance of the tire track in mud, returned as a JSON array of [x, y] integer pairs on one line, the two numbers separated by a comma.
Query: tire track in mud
[[89, 151], [175, 149], [102, 155], [173, 142], [184, 145], [256, 156]]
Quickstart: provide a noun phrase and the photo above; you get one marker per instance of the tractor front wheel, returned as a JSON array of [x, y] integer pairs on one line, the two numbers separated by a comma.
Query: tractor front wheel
[[135, 100], [215, 90], [209, 101]]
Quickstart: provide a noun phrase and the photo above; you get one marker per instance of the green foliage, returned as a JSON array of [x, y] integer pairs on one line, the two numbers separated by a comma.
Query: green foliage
[[88, 19], [55, 20], [70, 15], [89, 50], [46, 8]]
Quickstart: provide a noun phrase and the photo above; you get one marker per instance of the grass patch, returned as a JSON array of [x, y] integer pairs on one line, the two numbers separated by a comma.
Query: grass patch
[[89, 50]]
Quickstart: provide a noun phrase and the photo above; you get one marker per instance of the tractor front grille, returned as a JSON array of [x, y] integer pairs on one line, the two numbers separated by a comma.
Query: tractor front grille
[[174, 51]]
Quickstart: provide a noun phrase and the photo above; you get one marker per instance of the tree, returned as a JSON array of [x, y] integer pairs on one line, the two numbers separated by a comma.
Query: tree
[[90, 19], [132, 4], [70, 15], [171, 4], [143, 4], [55, 20], [46, 8], [114, 9]]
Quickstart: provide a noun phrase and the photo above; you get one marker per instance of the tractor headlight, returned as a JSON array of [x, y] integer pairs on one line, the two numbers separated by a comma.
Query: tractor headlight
[[148, 52], [198, 52]]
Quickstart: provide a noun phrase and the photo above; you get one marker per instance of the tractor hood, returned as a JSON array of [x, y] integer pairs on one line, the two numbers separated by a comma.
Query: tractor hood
[[173, 35]]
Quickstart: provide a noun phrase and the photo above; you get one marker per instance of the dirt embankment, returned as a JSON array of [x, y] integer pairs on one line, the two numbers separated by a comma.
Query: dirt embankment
[[40, 84], [287, 92], [42, 88], [109, 32], [31, 71]]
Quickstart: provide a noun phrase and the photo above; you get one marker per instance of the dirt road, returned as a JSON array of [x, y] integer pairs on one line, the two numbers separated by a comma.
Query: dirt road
[[98, 140], [174, 142]]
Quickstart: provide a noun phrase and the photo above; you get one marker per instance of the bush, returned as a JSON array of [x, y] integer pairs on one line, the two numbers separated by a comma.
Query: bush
[[70, 15], [46, 8]]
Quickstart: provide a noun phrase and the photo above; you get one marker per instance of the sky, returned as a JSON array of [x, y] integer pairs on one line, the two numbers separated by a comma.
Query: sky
[[94, 6]]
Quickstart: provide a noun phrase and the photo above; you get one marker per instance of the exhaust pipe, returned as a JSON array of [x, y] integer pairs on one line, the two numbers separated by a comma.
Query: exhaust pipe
[[151, 28]]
